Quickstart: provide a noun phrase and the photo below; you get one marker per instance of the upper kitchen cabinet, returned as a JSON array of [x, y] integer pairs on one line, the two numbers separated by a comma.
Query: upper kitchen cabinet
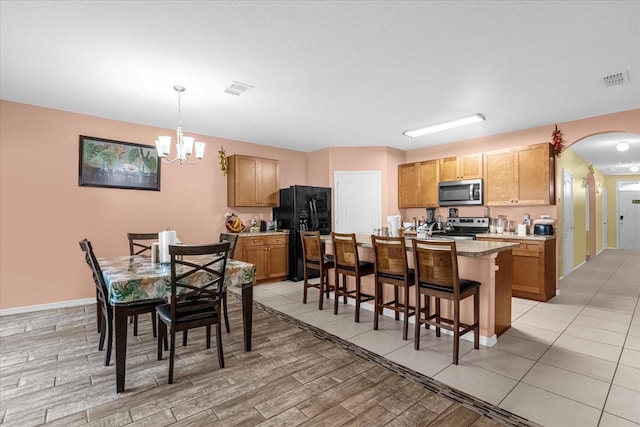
[[418, 184], [462, 167], [252, 181], [520, 176]]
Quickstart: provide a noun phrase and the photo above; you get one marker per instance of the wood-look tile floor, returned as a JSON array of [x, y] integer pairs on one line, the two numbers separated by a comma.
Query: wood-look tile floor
[[52, 372]]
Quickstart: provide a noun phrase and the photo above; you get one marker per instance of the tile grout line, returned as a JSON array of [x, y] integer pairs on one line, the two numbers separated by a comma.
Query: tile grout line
[[464, 399]]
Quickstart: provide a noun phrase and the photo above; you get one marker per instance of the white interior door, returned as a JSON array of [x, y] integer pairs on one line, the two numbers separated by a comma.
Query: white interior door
[[604, 219], [358, 201], [629, 214], [567, 222]]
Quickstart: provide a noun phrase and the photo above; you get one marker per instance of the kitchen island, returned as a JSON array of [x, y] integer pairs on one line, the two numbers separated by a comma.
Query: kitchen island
[[488, 262]]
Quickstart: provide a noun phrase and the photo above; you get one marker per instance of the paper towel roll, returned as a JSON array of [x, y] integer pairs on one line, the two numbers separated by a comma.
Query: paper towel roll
[[166, 238], [393, 222]]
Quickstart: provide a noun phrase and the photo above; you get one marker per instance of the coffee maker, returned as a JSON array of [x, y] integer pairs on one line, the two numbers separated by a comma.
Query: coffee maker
[[431, 216]]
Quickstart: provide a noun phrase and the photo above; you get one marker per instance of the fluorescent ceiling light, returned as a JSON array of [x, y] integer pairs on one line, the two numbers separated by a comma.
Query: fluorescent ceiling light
[[634, 168], [623, 146], [444, 126]]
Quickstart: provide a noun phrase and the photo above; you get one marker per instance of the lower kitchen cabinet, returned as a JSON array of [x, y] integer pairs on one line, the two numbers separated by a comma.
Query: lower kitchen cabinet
[[534, 268], [268, 252]]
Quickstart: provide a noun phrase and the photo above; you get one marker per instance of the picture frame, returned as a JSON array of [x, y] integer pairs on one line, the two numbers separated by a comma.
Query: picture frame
[[118, 164]]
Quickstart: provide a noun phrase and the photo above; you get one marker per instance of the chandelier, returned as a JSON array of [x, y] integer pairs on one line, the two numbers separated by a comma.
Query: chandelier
[[184, 144]]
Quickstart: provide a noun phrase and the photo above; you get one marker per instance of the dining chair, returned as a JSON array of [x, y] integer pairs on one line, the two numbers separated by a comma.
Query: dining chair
[[232, 239], [436, 266], [347, 263], [106, 311], [314, 258], [197, 283], [391, 267], [139, 245]]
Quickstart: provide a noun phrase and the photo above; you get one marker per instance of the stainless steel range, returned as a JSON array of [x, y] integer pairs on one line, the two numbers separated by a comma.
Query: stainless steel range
[[466, 228]]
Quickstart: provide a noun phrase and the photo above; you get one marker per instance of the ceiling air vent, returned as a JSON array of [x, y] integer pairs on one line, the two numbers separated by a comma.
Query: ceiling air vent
[[616, 79], [237, 88]]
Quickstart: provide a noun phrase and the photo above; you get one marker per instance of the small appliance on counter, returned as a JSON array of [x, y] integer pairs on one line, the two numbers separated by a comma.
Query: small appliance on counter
[[543, 226]]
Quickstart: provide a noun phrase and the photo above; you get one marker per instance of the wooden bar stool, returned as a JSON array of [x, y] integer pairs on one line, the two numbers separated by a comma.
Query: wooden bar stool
[[436, 265], [391, 267], [348, 263], [314, 258]]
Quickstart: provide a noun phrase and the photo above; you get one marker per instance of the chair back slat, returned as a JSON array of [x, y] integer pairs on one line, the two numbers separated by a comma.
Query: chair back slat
[[390, 255], [197, 278], [436, 263], [101, 286], [345, 250], [232, 239], [311, 246], [141, 247]]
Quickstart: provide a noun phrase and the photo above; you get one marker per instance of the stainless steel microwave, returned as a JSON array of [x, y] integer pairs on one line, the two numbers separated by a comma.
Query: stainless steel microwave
[[460, 193]]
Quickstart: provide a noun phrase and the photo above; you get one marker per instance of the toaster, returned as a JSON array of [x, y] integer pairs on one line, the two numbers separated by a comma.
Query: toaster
[[543, 229]]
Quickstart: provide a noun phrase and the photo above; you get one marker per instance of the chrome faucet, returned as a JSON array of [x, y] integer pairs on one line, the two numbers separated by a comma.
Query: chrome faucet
[[430, 229]]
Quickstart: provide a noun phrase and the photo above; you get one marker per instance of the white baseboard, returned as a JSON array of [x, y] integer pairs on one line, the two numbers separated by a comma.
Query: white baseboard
[[49, 306]]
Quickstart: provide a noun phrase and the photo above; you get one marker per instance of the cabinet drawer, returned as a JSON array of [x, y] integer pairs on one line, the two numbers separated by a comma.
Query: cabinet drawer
[[528, 249], [277, 240], [254, 241]]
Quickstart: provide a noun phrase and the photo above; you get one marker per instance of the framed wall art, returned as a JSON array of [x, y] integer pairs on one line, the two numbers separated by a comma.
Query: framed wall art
[[117, 164]]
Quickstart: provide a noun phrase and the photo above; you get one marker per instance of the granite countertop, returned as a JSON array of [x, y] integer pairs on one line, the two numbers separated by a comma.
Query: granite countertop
[[515, 236], [262, 233], [471, 248]]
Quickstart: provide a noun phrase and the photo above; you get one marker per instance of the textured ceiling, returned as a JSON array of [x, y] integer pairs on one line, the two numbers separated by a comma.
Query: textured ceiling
[[325, 74]]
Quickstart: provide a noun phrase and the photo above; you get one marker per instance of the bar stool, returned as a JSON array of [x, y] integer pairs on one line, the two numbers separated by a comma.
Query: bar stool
[[436, 266], [390, 262], [348, 263], [314, 258]]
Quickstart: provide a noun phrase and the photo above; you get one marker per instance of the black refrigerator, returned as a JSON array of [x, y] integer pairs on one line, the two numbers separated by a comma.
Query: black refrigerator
[[302, 208]]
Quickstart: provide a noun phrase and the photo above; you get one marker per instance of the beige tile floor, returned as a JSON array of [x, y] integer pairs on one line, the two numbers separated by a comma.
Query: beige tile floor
[[573, 361]]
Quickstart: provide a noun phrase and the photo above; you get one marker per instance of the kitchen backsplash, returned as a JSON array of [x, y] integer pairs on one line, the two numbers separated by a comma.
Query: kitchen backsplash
[[515, 213]]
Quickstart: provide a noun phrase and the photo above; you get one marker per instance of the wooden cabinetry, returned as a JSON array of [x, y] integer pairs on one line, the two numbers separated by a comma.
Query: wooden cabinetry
[[461, 167], [252, 181], [418, 184], [521, 175], [268, 253], [534, 268]]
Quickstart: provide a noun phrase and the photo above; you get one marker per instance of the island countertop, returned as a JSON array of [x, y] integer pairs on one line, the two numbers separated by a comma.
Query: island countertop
[[470, 248]]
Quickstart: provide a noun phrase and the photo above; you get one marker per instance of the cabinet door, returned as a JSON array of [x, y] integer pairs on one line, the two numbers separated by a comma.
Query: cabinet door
[[257, 255], [252, 181], [528, 270], [278, 266], [449, 169], [408, 186], [428, 183], [470, 166], [535, 185], [245, 174], [499, 178], [267, 183]]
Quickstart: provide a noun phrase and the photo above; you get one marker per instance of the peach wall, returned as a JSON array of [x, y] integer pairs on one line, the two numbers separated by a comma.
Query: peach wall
[[383, 159], [44, 213]]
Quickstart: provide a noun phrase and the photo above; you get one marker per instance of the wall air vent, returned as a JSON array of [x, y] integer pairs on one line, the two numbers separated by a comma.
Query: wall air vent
[[237, 88], [616, 79]]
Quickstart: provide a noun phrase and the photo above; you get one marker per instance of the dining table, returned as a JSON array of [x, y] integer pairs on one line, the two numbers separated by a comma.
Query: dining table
[[137, 278]]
